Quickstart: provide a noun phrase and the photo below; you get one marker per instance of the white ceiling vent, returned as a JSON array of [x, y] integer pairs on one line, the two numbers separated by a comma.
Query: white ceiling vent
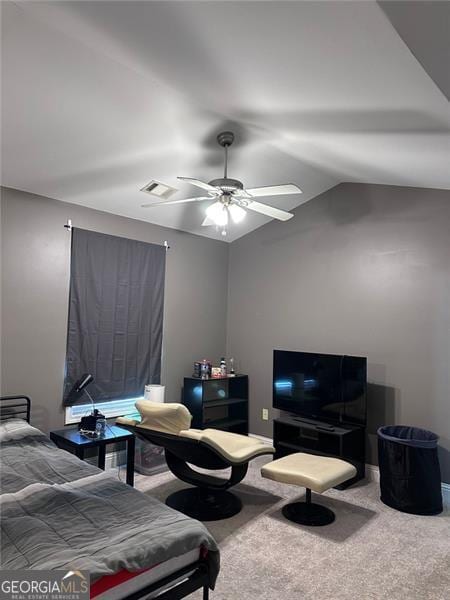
[[158, 189]]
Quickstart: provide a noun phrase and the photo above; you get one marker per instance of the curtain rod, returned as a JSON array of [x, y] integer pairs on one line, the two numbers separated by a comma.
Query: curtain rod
[[68, 226]]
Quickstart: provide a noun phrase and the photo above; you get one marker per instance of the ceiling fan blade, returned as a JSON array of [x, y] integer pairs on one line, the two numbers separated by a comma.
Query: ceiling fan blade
[[274, 190], [269, 211], [200, 184], [150, 205]]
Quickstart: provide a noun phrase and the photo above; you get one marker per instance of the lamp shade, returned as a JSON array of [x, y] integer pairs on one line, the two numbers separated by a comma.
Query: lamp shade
[[218, 213], [237, 213]]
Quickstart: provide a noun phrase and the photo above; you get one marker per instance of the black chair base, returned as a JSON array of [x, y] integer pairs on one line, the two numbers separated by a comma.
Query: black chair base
[[308, 513], [205, 505]]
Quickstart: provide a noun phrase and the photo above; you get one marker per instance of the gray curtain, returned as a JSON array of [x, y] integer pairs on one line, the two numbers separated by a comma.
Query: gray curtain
[[115, 314]]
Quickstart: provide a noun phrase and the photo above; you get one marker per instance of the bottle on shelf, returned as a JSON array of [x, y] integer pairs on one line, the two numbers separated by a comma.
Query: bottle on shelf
[[205, 369], [197, 369], [231, 372], [223, 367]]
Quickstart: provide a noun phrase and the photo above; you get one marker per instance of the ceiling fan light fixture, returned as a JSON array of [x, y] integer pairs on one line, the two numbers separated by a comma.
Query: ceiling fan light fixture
[[217, 212], [230, 199], [237, 213]]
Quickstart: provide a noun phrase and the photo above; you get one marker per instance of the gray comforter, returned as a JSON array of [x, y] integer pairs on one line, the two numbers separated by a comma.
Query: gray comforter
[[59, 512]]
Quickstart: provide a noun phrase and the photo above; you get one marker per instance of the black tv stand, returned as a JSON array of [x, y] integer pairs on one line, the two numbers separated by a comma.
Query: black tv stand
[[324, 427], [317, 424], [295, 434]]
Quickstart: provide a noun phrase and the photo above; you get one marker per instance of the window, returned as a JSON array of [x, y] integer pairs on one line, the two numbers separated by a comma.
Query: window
[[115, 318], [113, 408]]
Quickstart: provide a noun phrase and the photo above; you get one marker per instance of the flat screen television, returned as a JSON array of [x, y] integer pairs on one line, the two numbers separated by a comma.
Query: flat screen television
[[323, 387]]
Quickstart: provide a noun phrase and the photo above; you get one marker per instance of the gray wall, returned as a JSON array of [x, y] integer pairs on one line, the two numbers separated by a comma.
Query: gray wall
[[361, 269], [35, 278]]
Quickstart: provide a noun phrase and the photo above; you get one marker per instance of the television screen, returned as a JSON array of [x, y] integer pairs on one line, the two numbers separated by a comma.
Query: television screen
[[326, 387]]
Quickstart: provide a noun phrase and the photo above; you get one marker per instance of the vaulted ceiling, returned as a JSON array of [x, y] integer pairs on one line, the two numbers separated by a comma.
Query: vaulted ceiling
[[98, 98]]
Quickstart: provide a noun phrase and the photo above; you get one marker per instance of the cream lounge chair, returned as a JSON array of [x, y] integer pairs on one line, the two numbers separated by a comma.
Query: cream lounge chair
[[168, 425]]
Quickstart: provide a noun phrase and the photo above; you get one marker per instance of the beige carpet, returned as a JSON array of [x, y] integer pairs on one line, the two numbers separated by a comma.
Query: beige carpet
[[370, 552]]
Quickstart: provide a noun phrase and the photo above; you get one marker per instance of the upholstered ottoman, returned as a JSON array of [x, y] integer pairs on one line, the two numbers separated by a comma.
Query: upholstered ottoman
[[317, 473]]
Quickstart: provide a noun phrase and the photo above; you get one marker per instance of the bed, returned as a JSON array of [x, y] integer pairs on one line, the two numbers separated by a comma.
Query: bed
[[59, 512]]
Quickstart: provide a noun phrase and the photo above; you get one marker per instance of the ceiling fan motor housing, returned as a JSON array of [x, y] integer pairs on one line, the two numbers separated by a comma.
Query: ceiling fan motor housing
[[225, 138], [227, 185]]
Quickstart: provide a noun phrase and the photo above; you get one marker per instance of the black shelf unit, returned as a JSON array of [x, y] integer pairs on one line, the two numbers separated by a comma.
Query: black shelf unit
[[218, 402], [294, 434]]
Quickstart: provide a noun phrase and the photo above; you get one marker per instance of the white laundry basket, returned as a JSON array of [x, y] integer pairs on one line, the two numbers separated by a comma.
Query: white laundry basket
[[149, 459], [154, 392]]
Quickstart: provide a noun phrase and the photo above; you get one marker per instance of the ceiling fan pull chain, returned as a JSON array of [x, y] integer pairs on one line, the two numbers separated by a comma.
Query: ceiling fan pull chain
[[225, 172]]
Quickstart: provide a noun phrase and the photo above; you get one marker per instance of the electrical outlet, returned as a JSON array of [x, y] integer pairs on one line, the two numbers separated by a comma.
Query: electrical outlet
[[265, 414]]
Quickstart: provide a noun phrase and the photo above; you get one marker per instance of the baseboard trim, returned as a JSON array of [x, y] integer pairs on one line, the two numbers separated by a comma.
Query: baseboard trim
[[116, 459], [372, 473], [446, 494]]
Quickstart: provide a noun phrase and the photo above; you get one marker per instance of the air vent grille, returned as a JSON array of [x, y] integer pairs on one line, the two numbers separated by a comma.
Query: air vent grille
[[158, 189]]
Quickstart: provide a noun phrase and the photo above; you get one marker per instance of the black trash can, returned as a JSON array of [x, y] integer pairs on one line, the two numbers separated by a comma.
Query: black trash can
[[410, 477]]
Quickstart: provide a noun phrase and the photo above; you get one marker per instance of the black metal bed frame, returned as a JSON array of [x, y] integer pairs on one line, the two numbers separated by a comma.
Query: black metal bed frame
[[195, 577], [9, 410], [176, 586]]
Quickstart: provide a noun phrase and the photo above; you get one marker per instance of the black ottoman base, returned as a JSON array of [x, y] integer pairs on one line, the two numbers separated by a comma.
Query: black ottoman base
[[308, 513], [305, 513]]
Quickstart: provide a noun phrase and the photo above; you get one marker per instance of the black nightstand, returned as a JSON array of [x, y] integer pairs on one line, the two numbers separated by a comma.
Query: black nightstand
[[70, 439]]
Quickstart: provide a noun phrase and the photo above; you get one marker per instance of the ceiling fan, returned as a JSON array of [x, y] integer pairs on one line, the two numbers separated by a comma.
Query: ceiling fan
[[231, 199]]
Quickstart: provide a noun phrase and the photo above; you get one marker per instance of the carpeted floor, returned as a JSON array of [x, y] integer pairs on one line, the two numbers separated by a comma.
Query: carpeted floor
[[370, 552]]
